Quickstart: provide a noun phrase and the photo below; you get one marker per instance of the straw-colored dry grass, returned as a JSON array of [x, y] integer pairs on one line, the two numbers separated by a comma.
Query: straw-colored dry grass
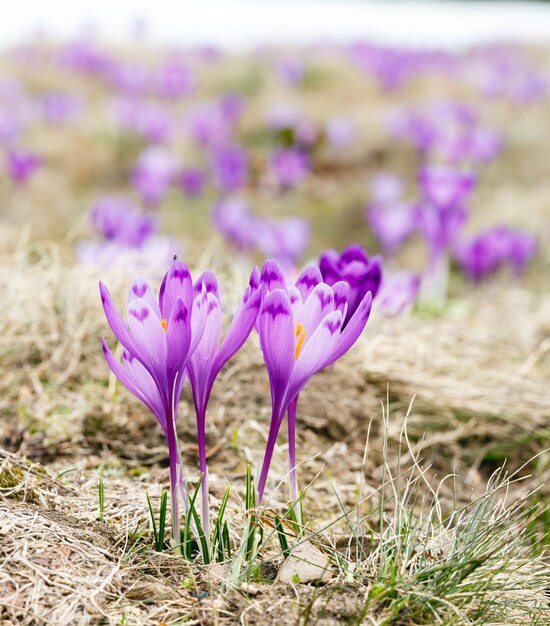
[[472, 384]]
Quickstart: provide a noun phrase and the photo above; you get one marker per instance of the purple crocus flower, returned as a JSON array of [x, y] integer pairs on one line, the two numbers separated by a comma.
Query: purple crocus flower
[[354, 267], [173, 80], [117, 218], [284, 240], [230, 168], [441, 216], [398, 293], [192, 181], [392, 219], [486, 253], [209, 126], [301, 332], [153, 174], [60, 108], [236, 222], [289, 167], [159, 339], [290, 70], [21, 165], [211, 355], [153, 121]]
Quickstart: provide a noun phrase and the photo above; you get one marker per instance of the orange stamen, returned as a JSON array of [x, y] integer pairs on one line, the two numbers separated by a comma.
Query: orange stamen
[[300, 335], [163, 323]]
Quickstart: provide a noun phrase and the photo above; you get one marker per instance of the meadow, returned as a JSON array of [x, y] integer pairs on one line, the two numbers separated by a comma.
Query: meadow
[[369, 446]]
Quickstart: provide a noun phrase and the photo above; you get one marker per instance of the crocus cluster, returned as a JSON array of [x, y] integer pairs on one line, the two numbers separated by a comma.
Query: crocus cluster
[[177, 335]]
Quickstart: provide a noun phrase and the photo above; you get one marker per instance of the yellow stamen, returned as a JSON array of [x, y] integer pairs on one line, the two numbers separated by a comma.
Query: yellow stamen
[[163, 322], [300, 335]]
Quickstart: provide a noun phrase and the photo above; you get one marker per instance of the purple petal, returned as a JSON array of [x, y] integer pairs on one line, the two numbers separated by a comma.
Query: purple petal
[[115, 321], [319, 304], [149, 337], [353, 329], [341, 291], [142, 289], [276, 328], [178, 338], [146, 393], [238, 331], [176, 284], [308, 280], [272, 276], [315, 352], [210, 282]]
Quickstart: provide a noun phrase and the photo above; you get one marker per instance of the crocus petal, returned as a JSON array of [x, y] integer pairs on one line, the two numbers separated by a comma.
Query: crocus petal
[[308, 280], [254, 281], [142, 289], [319, 304], [341, 293], [353, 329], [272, 276], [198, 319], [314, 354], [276, 328], [176, 284], [210, 282], [238, 331], [178, 339], [208, 345], [149, 336], [152, 402], [143, 381], [115, 321]]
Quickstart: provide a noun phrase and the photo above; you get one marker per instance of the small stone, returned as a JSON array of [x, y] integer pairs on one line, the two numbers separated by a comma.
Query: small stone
[[306, 564]]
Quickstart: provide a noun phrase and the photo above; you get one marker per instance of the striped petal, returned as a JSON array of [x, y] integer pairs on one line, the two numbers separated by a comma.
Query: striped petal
[[142, 289], [276, 329], [316, 352], [176, 284], [150, 338], [352, 330], [308, 280]]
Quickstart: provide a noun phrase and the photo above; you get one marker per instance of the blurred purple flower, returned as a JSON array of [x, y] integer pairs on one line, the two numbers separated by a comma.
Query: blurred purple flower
[[192, 181], [236, 222], [391, 219], [290, 70], [398, 293], [59, 108], [354, 267], [210, 125], [153, 121], [153, 174], [229, 167], [173, 80], [286, 240], [117, 218], [486, 253], [289, 167], [21, 165]]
